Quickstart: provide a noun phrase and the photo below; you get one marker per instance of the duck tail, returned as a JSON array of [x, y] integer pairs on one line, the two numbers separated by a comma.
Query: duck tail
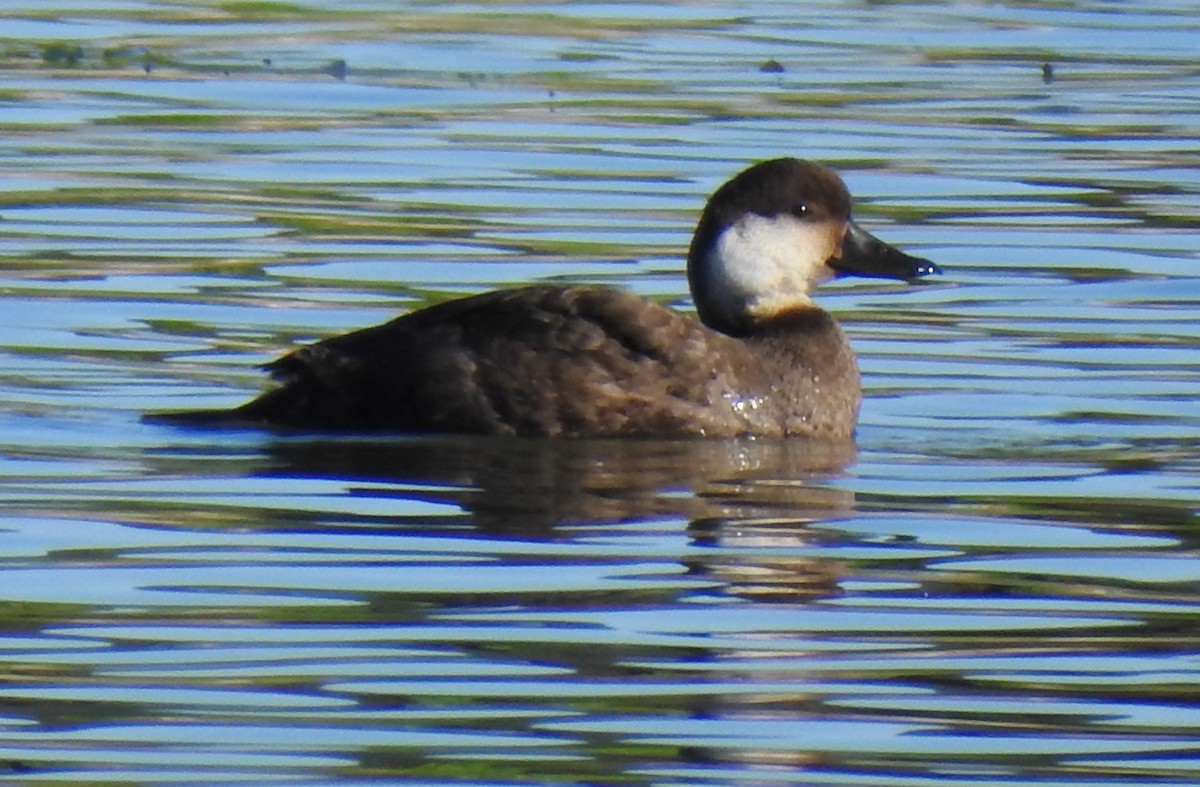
[[198, 419], [273, 408]]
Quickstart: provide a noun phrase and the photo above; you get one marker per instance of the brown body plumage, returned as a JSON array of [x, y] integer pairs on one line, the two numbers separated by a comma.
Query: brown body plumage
[[560, 361]]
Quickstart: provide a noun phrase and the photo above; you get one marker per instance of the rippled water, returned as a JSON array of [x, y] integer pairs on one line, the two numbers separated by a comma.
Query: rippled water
[[999, 587]]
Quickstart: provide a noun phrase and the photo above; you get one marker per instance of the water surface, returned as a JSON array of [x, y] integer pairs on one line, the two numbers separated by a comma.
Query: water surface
[[998, 586]]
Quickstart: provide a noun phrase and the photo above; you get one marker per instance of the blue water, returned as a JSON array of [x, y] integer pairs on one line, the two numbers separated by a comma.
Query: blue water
[[997, 586]]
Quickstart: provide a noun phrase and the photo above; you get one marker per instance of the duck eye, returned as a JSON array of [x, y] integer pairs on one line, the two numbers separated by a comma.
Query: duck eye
[[800, 210]]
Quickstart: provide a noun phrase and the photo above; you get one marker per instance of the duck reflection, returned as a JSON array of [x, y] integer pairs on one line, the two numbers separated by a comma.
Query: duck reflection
[[527, 485], [746, 499]]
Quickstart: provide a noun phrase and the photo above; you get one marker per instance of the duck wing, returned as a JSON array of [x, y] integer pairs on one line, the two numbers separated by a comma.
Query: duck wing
[[543, 360]]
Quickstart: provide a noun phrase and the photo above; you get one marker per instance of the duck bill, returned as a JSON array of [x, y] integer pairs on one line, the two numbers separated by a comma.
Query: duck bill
[[865, 255]]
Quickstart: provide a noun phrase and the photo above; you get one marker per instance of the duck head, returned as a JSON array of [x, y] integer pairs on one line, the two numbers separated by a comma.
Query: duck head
[[773, 233]]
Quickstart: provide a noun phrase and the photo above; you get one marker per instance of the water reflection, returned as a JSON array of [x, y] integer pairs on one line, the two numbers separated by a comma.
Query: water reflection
[[748, 496], [525, 487]]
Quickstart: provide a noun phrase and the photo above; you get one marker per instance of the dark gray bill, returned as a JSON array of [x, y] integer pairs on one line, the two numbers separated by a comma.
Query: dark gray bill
[[865, 255]]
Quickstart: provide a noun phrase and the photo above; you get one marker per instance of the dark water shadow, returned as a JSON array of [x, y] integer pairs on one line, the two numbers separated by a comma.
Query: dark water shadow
[[744, 504], [525, 486], [730, 516]]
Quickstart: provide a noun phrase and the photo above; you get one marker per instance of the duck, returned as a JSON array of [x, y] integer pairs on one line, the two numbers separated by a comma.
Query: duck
[[759, 359]]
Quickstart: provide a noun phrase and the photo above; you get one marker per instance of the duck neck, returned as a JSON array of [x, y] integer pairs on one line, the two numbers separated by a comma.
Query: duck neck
[[757, 269]]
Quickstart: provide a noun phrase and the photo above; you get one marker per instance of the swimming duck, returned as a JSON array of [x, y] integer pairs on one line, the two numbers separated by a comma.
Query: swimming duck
[[551, 360]]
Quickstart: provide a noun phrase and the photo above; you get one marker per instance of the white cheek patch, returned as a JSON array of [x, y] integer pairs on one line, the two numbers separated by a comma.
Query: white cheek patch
[[761, 266]]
